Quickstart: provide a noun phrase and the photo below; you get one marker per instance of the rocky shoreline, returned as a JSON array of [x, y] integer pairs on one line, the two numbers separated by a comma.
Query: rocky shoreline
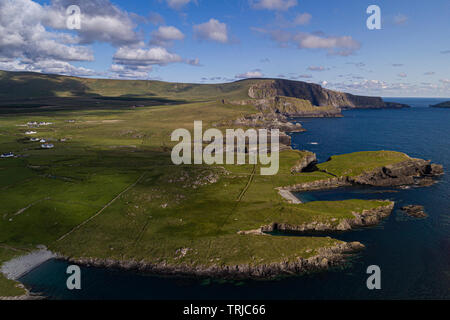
[[323, 260], [364, 219], [410, 172]]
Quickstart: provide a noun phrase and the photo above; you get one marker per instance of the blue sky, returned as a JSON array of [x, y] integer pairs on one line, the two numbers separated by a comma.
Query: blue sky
[[205, 41]]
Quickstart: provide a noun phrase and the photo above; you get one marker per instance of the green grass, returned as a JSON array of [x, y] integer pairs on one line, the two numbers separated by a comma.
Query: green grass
[[356, 163], [47, 193]]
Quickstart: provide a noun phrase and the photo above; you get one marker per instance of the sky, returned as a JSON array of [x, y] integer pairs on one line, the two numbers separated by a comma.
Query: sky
[[215, 41]]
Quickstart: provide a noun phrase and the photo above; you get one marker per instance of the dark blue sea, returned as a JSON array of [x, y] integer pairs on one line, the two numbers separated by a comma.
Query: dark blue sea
[[413, 254]]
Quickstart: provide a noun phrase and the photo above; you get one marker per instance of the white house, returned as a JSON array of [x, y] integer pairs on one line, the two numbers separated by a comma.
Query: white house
[[7, 155], [47, 146]]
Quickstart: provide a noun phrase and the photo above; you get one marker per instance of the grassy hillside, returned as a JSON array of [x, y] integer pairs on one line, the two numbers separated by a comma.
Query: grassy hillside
[[161, 207], [19, 90], [18, 85]]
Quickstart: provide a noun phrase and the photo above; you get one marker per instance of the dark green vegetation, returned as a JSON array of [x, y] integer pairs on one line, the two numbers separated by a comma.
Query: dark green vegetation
[[445, 104], [109, 189]]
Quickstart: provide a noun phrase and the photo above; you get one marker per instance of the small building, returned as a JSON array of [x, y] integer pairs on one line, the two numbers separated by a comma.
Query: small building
[[35, 139], [7, 155], [30, 132], [42, 141], [47, 146]]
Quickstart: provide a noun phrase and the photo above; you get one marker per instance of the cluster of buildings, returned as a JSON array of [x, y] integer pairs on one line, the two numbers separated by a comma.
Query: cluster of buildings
[[37, 124], [47, 146]]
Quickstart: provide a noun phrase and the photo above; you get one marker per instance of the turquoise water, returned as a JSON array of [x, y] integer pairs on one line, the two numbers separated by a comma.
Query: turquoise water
[[414, 255]]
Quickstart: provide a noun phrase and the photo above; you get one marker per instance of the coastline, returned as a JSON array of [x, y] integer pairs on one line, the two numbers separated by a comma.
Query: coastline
[[324, 259]]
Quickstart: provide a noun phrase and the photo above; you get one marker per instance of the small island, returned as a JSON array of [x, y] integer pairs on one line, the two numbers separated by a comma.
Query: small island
[[445, 104]]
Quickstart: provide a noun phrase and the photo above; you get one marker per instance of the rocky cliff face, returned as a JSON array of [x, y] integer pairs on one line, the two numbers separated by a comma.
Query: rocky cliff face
[[317, 95], [308, 161]]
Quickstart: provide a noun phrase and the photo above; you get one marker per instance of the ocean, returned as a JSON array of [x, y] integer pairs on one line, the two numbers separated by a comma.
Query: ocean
[[413, 254]]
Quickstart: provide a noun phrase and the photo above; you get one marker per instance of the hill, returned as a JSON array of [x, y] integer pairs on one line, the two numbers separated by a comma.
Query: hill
[[26, 89]]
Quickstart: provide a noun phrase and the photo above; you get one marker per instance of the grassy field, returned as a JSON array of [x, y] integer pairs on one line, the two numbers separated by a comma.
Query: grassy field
[[356, 163], [110, 190]]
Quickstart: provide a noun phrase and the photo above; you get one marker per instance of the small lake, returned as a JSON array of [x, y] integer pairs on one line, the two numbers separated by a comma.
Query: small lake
[[413, 254]]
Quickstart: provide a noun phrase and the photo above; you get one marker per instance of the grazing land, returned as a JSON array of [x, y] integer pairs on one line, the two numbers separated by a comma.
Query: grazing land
[[108, 189]]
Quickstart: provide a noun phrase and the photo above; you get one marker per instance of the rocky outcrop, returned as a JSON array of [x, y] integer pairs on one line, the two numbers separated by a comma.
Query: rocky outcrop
[[363, 219], [323, 184], [403, 173], [323, 260], [317, 95], [415, 211], [268, 121], [413, 171], [308, 161]]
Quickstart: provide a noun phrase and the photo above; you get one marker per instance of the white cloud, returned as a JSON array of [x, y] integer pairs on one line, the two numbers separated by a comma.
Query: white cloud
[[317, 68], [213, 30], [100, 21], [193, 62], [302, 19], [130, 71], [23, 35], [250, 74], [137, 63], [165, 35], [177, 4], [280, 5], [344, 45], [400, 19], [155, 18], [46, 66], [139, 56]]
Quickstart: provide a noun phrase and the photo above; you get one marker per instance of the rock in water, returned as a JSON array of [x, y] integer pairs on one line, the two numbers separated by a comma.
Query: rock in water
[[415, 211]]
